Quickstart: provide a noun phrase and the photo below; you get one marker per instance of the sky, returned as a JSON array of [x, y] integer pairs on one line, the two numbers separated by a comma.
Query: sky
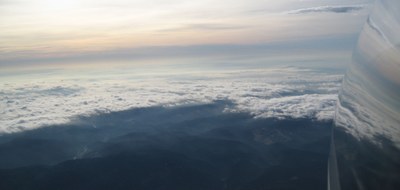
[[86, 30], [273, 59]]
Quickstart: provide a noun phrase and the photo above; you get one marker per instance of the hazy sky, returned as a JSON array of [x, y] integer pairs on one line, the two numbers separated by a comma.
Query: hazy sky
[[61, 29], [62, 59]]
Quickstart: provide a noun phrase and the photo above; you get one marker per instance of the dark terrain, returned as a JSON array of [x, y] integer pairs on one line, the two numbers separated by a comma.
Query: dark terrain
[[188, 147]]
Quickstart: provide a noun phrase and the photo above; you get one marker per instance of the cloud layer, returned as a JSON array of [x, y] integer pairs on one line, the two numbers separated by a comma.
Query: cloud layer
[[271, 93], [329, 9]]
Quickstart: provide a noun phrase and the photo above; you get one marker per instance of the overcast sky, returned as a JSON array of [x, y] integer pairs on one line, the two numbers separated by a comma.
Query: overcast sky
[[53, 29]]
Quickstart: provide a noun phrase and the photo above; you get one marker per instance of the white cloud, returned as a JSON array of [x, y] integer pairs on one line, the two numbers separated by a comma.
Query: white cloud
[[329, 9], [273, 93]]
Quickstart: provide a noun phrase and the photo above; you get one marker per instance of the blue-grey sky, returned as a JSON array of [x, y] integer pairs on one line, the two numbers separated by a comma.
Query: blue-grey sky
[[60, 30]]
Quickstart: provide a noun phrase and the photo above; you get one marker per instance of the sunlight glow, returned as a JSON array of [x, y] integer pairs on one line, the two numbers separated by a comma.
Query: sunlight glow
[[58, 5]]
